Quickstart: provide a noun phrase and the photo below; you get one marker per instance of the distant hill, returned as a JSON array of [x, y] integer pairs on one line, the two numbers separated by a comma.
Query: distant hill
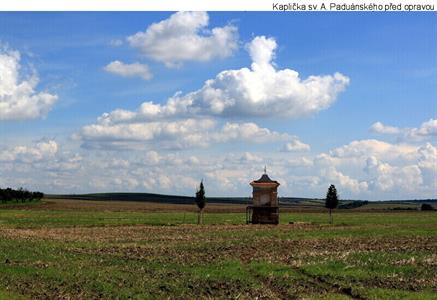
[[147, 197], [173, 199], [284, 201]]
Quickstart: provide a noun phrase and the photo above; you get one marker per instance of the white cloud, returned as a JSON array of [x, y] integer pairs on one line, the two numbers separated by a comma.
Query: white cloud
[[378, 127], [61, 162], [341, 180], [427, 129], [40, 151], [261, 91], [264, 91], [365, 148], [295, 145], [248, 132], [373, 174], [128, 183], [184, 36], [262, 51], [178, 134], [300, 162], [153, 157], [248, 157], [42, 156], [427, 162], [161, 134], [387, 168], [428, 158], [18, 98], [129, 70], [386, 177], [228, 178], [119, 163], [160, 180]]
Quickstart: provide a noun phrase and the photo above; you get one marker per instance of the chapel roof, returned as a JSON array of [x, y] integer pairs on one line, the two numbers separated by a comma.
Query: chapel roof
[[265, 179]]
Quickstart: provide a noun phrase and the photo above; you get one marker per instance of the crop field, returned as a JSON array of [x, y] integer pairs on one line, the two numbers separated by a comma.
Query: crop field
[[71, 249]]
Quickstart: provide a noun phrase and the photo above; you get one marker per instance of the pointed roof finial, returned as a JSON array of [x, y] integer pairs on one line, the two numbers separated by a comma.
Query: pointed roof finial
[[265, 169]]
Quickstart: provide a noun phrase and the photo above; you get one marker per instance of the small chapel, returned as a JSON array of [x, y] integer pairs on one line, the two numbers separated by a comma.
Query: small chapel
[[265, 205]]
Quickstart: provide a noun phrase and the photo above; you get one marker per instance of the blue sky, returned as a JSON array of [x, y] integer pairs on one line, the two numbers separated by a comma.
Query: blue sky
[[372, 135]]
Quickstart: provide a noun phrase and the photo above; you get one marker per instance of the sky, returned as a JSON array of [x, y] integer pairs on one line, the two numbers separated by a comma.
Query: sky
[[156, 102]]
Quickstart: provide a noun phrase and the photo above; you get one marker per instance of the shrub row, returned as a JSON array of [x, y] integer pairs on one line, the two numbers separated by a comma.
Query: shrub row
[[20, 195]]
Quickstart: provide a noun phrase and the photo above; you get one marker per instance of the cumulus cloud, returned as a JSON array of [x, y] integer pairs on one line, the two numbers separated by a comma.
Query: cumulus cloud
[[178, 134], [228, 178], [60, 163], [338, 178], [262, 51], [386, 167], [361, 168], [185, 36], [427, 162], [172, 134], [261, 91], [385, 177], [427, 129], [27, 154], [378, 127], [191, 120], [18, 98], [40, 165], [428, 158], [248, 157], [129, 70], [248, 132], [295, 145], [264, 91], [357, 174], [300, 162], [364, 148]]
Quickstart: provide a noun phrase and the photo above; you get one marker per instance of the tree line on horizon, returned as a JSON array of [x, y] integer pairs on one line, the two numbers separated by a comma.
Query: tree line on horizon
[[19, 195]]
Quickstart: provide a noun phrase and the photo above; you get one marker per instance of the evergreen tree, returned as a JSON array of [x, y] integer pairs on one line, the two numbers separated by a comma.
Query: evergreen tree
[[201, 202], [331, 201]]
